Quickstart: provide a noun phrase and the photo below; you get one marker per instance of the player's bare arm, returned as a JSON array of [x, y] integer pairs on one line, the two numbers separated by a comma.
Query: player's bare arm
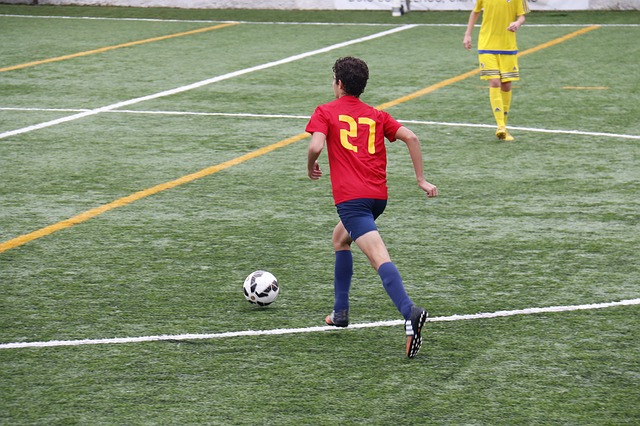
[[466, 41], [315, 148], [415, 152], [513, 27]]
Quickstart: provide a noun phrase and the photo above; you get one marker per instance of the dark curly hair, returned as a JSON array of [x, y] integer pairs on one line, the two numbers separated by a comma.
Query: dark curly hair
[[353, 73]]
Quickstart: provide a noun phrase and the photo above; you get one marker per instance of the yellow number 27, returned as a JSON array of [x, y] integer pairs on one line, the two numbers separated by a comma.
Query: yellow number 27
[[353, 133]]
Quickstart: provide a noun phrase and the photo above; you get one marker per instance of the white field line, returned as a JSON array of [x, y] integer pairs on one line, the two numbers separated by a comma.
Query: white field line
[[528, 129], [200, 83], [306, 117], [207, 21], [281, 331], [128, 111]]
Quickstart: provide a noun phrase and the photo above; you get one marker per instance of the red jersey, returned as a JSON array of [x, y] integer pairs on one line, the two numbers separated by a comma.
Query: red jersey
[[355, 144]]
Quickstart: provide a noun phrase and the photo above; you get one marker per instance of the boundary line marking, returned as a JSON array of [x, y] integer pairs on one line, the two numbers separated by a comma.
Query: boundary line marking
[[527, 129], [306, 117], [283, 331], [117, 46]]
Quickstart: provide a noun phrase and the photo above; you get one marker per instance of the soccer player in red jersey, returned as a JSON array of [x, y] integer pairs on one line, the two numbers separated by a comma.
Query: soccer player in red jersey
[[354, 134]]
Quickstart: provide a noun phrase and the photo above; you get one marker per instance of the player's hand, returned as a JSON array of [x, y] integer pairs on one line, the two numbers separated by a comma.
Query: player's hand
[[513, 27], [315, 173], [430, 189], [466, 42]]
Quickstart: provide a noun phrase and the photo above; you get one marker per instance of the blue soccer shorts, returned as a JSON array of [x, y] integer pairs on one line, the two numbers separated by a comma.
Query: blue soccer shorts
[[358, 216]]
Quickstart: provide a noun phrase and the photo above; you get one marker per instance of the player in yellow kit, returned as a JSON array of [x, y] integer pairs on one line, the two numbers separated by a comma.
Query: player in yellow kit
[[497, 52]]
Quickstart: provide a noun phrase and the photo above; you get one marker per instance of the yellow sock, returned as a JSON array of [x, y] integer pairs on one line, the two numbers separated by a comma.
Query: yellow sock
[[497, 106], [506, 104]]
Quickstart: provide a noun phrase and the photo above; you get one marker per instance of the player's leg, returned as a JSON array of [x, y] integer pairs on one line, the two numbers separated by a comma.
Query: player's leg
[[359, 219], [374, 248], [508, 72], [490, 70], [497, 106], [343, 271], [505, 91], [415, 317], [351, 214], [358, 222]]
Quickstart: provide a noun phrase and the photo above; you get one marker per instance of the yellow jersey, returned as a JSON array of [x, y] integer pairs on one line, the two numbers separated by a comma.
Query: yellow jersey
[[494, 37]]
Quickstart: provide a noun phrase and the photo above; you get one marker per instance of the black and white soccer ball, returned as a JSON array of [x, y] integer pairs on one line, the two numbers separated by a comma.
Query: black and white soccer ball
[[261, 288]]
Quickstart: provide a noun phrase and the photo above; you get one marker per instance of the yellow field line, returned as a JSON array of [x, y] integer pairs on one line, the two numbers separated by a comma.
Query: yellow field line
[[560, 40], [82, 217], [118, 46], [586, 87], [429, 89]]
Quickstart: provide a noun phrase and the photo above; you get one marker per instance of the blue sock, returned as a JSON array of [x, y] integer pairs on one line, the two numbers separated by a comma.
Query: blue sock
[[392, 282], [342, 279]]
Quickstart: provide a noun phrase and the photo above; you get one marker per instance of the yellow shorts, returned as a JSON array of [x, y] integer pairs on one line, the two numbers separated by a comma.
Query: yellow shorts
[[504, 67]]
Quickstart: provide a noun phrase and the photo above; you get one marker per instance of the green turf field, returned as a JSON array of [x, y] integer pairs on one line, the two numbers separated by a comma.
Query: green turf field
[[149, 164]]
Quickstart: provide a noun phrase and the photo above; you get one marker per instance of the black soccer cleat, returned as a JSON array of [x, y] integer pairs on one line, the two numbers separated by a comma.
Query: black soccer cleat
[[413, 329], [338, 319]]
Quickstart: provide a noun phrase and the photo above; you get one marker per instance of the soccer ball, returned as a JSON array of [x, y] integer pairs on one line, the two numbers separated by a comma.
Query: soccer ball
[[261, 288]]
